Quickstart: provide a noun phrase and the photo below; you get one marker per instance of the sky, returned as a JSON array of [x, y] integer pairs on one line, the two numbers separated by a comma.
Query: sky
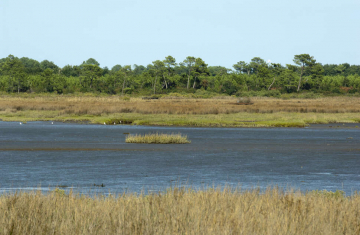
[[129, 32]]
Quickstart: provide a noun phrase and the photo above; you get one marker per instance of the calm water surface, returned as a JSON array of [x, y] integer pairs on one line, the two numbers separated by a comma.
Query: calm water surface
[[39, 155]]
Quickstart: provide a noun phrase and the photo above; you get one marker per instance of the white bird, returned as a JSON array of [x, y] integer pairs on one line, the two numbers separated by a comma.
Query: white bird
[[52, 123], [120, 122], [20, 123], [114, 123], [104, 123]]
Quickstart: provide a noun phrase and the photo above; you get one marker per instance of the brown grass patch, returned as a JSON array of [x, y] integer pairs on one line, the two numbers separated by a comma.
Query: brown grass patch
[[114, 104]]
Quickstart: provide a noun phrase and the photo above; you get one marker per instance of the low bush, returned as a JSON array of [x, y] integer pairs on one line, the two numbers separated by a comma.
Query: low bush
[[244, 100]]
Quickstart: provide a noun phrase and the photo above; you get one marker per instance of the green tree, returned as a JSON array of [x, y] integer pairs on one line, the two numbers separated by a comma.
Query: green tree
[[59, 83], [91, 61], [340, 69], [71, 71], [91, 72], [259, 67], [31, 66], [353, 69], [139, 69], [303, 61], [115, 68], [200, 69], [113, 82], [289, 78], [15, 70], [218, 70], [45, 64], [330, 69], [105, 71], [276, 70], [256, 63], [67, 70], [126, 72], [158, 68], [46, 81], [242, 67], [317, 73], [169, 63], [189, 62]]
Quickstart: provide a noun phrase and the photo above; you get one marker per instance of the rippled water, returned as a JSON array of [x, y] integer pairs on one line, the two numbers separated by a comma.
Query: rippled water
[[39, 155]]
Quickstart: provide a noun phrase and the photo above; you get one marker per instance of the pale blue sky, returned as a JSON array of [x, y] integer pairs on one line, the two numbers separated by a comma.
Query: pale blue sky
[[220, 32]]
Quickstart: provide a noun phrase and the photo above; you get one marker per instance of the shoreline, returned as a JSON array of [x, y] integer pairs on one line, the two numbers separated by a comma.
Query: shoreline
[[263, 112], [330, 125]]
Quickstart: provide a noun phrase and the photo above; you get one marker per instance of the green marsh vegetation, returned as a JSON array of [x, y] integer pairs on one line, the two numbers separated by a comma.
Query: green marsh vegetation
[[157, 138], [192, 76], [181, 211]]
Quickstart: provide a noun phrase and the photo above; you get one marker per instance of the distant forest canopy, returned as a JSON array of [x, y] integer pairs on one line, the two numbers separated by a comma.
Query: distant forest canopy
[[189, 76]]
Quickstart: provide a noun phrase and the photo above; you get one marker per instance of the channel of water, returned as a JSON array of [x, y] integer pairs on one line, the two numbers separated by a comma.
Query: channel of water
[[42, 155]]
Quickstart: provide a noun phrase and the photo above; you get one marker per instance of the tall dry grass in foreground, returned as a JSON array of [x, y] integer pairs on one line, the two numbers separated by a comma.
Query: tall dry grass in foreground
[[157, 139], [181, 211]]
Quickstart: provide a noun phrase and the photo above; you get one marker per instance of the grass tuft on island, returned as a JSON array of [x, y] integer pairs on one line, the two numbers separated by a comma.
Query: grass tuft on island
[[181, 211], [158, 139]]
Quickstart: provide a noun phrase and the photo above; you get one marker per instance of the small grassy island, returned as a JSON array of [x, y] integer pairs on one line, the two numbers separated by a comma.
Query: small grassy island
[[158, 139]]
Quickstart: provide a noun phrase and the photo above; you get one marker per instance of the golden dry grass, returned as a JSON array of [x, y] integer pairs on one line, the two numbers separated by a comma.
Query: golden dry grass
[[82, 105], [181, 211], [219, 112], [157, 139]]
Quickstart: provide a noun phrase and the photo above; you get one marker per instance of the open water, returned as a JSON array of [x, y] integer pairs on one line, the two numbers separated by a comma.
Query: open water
[[41, 155]]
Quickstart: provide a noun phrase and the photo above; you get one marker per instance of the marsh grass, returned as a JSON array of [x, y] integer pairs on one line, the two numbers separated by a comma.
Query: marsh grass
[[98, 106], [157, 138], [212, 112], [181, 211]]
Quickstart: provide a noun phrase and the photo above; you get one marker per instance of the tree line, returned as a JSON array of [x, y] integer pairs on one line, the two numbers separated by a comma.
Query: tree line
[[165, 76]]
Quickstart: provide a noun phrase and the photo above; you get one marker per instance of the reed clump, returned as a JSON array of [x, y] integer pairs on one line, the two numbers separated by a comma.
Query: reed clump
[[181, 211], [157, 138]]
